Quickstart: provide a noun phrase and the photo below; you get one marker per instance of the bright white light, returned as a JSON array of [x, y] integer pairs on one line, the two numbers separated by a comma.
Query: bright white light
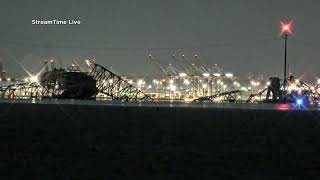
[[87, 61], [172, 87], [229, 75], [244, 89], [318, 81], [206, 74], [171, 81], [268, 83], [204, 86], [236, 84], [182, 75], [8, 79], [156, 81], [34, 78], [217, 74], [186, 82], [26, 79], [140, 82], [292, 88]]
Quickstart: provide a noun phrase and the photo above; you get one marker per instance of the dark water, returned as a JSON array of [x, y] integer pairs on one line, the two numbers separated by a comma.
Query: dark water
[[81, 140], [171, 104]]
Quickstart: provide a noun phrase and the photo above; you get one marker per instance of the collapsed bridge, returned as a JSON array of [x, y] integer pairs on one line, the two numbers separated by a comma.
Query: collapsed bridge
[[75, 84], [114, 86]]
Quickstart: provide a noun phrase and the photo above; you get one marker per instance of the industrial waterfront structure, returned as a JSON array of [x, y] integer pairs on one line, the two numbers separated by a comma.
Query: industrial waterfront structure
[[192, 83]]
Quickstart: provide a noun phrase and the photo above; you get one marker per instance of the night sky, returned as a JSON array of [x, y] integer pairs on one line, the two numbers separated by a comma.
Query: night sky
[[241, 36]]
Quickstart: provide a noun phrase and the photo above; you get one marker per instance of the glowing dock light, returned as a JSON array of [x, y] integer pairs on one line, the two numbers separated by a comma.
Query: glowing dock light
[[34, 78], [217, 75], [243, 89], [140, 82], [206, 74], [236, 84], [186, 82], [204, 86], [229, 75], [182, 75]]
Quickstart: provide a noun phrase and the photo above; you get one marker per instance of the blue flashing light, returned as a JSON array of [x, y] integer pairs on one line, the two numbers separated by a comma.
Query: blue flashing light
[[299, 102]]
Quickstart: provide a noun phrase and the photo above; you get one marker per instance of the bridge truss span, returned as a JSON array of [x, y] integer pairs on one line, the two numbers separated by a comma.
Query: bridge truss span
[[114, 86]]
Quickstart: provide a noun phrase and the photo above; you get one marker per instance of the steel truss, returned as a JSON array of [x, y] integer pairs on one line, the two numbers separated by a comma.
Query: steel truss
[[114, 86], [230, 96], [22, 90], [252, 98]]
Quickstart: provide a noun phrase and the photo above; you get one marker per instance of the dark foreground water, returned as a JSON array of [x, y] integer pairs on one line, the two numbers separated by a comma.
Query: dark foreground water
[[89, 140]]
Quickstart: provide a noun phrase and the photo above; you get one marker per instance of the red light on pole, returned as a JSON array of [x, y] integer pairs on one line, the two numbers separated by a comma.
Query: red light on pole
[[286, 28]]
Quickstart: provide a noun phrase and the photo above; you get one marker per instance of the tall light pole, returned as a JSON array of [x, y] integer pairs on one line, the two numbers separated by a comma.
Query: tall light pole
[[286, 30]]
